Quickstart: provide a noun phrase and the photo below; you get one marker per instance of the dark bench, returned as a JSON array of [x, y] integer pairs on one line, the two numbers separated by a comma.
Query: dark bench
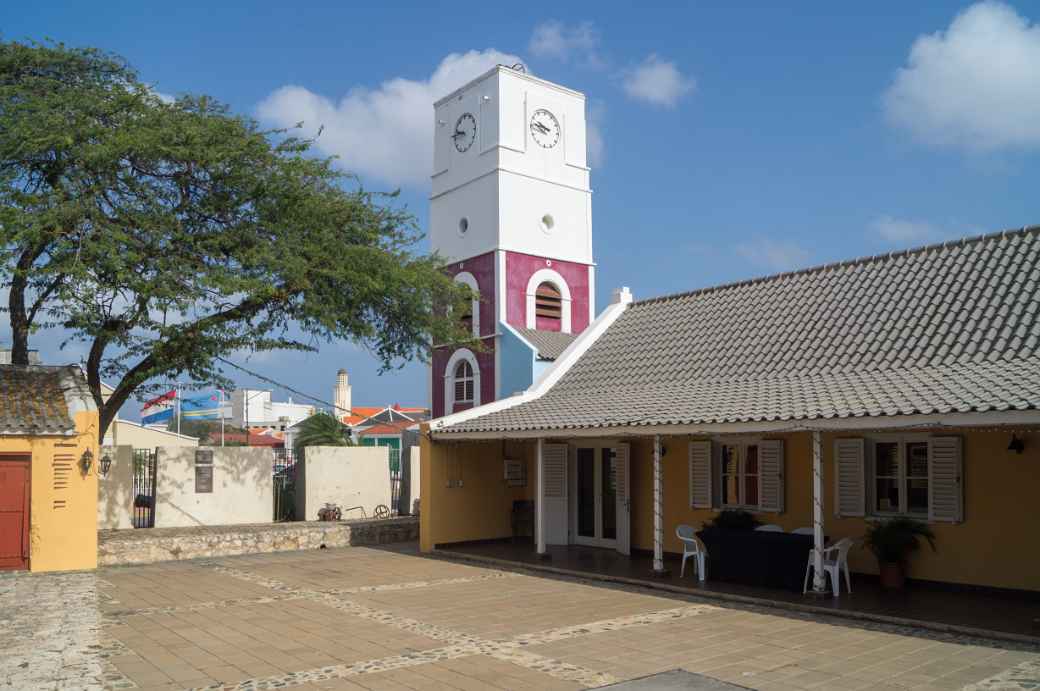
[[757, 557]]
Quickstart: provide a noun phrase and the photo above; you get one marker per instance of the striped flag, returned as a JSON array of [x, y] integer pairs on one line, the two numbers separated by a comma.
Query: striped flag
[[159, 409]]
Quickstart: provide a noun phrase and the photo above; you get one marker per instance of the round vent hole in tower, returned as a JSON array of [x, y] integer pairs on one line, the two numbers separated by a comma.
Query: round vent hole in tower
[[463, 225], [547, 222]]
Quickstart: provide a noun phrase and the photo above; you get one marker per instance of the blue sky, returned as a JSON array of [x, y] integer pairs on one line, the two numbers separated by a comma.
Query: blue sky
[[734, 141]]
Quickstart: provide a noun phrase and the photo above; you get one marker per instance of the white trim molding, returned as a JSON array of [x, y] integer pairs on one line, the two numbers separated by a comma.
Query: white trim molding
[[548, 276], [468, 279], [549, 377], [449, 377]]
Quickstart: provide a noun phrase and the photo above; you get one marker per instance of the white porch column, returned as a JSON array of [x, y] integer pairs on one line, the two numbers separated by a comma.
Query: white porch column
[[819, 583], [539, 500], [658, 508]]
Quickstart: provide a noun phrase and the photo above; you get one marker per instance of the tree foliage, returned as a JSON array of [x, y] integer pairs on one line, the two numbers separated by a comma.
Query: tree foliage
[[164, 236], [322, 430]]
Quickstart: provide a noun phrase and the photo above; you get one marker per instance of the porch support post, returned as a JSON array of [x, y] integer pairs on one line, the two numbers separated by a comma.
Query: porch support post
[[539, 500], [658, 509], [819, 582]]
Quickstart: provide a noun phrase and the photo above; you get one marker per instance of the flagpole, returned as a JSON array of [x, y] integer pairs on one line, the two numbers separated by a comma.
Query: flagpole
[[221, 416], [177, 399]]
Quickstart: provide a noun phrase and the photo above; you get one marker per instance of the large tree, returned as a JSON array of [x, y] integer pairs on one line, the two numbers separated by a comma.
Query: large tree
[[167, 236]]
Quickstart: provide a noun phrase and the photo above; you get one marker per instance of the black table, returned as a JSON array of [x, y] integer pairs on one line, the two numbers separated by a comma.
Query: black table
[[757, 557]]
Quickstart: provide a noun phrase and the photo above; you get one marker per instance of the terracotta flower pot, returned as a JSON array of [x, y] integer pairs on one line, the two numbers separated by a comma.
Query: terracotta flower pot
[[892, 576]]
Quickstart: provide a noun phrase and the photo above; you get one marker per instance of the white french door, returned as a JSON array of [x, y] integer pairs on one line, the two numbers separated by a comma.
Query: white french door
[[600, 501]]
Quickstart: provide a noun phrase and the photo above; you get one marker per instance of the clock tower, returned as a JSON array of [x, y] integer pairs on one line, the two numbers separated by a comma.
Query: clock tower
[[510, 208]]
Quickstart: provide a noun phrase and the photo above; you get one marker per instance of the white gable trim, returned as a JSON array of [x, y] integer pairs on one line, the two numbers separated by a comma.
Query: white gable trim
[[550, 375], [549, 276]]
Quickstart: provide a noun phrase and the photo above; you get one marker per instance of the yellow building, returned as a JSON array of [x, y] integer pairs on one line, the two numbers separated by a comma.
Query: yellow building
[[823, 401], [48, 469]]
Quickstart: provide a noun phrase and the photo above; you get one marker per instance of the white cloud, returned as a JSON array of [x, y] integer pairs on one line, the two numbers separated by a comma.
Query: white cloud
[[556, 41], [775, 255], [657, 82], [387, 132], [902, 231], [974, 86]]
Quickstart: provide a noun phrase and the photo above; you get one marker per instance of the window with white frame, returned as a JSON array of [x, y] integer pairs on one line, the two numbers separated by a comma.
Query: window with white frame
[[739, 474], [463, 382], [899, 480]]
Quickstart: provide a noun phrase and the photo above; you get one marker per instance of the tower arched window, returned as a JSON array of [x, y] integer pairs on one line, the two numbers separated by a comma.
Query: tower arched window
[[463, 382], [548, 302]]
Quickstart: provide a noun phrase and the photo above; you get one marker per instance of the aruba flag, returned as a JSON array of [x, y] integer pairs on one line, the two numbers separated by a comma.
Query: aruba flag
[[205, 407]]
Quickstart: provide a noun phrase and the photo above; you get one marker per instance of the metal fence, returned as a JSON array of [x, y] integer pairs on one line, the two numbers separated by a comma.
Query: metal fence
[[144, 488], [395, 480], [284, 475]]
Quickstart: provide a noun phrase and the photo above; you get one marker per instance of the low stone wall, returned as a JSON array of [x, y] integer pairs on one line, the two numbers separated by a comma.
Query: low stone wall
[[148, 545]]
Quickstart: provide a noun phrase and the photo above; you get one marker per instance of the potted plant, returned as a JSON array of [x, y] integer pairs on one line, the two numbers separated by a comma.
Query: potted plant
[[735, 519], [893, 541]]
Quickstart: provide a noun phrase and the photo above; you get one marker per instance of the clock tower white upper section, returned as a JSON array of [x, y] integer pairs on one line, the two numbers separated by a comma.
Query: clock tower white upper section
[[510, 171]]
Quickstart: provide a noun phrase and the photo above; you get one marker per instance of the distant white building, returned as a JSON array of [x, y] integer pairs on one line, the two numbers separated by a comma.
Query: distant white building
[[254, 408]]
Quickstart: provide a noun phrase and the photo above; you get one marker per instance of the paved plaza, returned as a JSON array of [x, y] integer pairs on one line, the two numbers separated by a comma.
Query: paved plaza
[[367, 618]]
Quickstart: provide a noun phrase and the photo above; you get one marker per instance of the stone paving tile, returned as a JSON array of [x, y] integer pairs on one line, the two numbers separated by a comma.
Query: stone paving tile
[[386, 619]]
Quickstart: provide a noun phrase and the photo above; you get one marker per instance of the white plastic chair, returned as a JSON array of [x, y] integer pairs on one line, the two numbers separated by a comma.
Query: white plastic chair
[[835, 560], [692, 547], [770, 528], [802, 531]]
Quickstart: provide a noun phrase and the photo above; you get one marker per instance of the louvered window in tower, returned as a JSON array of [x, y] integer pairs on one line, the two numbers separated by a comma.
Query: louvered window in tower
[[464, 382], [548, 304]]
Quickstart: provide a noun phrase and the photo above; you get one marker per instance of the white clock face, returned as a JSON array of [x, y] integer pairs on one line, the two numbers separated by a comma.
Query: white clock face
[[465, 132], [545, 129]]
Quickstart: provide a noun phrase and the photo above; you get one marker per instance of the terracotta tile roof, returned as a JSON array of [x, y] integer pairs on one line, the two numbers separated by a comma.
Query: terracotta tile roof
[[41, 400], [386, 428], [549, 344], [945, 328]]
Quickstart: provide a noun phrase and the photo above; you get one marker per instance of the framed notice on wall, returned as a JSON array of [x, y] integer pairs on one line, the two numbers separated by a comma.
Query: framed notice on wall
[[203, 471]]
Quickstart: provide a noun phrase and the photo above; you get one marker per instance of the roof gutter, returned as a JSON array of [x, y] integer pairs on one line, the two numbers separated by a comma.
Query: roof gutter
[[995, 420], [549, 377]]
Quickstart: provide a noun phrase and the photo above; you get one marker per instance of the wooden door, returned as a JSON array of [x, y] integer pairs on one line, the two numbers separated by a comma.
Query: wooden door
[[14, 512]]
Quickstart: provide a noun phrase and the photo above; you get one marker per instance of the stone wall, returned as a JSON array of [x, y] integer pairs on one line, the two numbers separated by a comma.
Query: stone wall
[[147, 545]]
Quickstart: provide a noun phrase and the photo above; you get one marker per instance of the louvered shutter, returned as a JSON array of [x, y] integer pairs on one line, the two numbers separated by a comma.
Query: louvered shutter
[[700, 474], [554, 493], [622, 499], [849, 494], [771, 475], [945, 488], [554, 460]]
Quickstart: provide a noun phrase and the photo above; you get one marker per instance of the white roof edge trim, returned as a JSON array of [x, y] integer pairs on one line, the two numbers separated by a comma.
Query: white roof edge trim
[[850, 424], [549, 377], [167, 432]]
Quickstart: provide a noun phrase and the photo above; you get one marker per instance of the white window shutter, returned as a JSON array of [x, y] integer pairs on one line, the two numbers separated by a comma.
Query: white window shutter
[[945, 488], [700, 474], [771, 475], [554, 461], [849, 483]]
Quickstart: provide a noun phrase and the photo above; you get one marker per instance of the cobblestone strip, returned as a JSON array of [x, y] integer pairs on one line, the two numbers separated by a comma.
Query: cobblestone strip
[[554, 668], [50, 635], [1024, 675], [616, 624], [411, 585], [118, 616]]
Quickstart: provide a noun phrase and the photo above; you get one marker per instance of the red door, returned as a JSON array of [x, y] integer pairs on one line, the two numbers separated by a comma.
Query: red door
[[14, 513]]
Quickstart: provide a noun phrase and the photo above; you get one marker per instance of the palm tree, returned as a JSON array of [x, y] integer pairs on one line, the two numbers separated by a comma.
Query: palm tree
[[322, 430]]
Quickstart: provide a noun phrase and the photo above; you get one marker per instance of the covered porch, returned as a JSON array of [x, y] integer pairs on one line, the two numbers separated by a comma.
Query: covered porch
[[958, 611]]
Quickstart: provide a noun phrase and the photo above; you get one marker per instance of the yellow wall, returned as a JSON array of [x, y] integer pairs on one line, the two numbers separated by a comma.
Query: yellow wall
[[62, 537], [482, 507], [993, 546]]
